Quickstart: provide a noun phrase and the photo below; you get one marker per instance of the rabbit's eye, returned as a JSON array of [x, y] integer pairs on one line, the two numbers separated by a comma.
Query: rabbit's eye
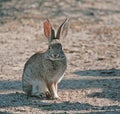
[[60, 47]]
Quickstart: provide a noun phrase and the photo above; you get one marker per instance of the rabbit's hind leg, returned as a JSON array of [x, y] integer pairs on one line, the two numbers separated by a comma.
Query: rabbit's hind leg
[[38, 88], [48, 95]]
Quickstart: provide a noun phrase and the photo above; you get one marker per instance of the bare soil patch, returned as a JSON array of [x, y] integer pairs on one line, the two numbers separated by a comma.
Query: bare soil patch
[[92, 81]]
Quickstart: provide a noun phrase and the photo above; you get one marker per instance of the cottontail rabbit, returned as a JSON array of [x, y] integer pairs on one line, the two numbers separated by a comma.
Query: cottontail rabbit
[[43, 71]]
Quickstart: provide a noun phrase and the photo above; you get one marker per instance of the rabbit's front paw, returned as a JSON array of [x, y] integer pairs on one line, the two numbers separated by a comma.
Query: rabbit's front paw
[[56, 98]]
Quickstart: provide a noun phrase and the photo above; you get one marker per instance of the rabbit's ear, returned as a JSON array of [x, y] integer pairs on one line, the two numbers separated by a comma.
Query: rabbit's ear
[[48, 31], [63, 29], [47, 28]]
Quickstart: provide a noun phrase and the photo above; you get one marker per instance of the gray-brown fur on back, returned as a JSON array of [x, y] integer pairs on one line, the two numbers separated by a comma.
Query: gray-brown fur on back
[[43, 69]]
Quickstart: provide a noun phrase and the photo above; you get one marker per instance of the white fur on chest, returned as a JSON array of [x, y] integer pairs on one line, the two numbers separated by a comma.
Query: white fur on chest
[[57, 78]]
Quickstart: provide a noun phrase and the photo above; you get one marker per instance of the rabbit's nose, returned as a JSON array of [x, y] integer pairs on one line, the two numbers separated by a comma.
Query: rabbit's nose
[[55, 55]]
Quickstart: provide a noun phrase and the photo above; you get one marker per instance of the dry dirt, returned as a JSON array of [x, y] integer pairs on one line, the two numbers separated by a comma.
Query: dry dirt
[[92, 80]]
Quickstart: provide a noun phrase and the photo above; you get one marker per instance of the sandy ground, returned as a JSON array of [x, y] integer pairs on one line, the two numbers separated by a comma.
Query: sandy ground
[[92, 80]]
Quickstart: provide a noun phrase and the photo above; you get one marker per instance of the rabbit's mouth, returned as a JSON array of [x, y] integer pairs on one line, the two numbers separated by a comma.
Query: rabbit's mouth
[[56, 58]]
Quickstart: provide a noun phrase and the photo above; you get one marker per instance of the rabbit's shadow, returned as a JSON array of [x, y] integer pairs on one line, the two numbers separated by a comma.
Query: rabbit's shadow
[[16, 99]]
